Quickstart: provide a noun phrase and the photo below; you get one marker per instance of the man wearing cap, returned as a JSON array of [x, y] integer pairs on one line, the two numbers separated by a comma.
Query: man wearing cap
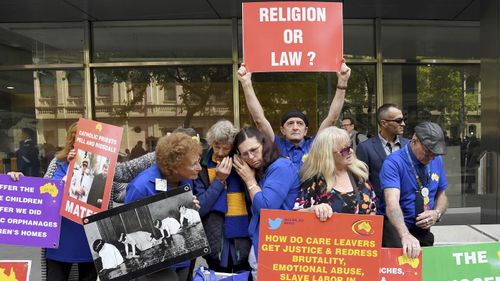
[[294, 124], [413, 181]]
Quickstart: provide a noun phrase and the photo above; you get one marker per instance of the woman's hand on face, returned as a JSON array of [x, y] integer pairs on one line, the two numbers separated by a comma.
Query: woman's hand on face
[[246, 173], [71, 155], [323, 211], [223, 169], [15, 175], [196, 202]]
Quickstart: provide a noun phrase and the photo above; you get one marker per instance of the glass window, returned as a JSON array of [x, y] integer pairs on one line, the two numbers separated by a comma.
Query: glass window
[[430, 39], [312, 93], [33, 127], [41, 43], [75, 83], [160, 40], [158, 99], [47, 82], [449, 95], [359, 39], [361, 99]]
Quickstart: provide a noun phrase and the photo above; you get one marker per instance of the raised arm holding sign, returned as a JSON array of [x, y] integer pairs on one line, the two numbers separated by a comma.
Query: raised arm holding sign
[[294, 125]]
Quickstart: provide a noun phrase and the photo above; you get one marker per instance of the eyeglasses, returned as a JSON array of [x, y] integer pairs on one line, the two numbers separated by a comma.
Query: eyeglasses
[[398, 120], [251, 151], [345, 125], [346, 151]]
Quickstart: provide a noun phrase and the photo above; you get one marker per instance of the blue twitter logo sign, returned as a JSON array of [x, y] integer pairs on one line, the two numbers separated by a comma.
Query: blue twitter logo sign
[[274, 224]]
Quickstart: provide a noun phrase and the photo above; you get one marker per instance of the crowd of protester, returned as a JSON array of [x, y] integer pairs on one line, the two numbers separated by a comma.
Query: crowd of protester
[[244, 171]]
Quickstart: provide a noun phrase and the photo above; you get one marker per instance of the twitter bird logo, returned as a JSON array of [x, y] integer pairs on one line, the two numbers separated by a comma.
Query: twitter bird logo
[[274, 224]]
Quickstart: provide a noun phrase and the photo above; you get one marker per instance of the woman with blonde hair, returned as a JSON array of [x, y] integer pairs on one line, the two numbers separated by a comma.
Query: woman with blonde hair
[[333, 179]]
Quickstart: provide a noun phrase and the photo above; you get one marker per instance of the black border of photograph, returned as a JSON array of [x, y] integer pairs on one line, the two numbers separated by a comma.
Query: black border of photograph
[[133, 242]]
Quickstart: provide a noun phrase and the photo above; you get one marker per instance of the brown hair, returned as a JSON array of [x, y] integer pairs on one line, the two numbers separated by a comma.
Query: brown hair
[[172, 150], [70, 141]]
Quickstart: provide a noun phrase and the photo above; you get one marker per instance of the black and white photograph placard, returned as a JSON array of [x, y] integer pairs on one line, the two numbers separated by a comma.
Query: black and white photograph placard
[[145, 236]]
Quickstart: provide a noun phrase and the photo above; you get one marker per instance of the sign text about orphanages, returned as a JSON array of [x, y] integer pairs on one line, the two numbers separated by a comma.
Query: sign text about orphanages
[[292, 36], [29, 211], [296, 246]]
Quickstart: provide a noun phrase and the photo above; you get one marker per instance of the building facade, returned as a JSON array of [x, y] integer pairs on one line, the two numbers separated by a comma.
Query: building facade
[[151, 67]]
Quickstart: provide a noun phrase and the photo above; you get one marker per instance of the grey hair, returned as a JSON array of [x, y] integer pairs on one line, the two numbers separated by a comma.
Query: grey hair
[[221, 132]]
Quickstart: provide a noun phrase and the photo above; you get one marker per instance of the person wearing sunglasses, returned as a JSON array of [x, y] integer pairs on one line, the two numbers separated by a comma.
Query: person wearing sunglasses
[[272, 181], [374, 150], [413, 180], [294, 124], [350, 127], [333, 179]]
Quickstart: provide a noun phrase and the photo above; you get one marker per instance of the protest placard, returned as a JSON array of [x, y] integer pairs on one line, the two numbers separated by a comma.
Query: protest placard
[[90, 173], [395, 266], [146, 236], [471, 262], [298, 246], [292, 36], [29, 211], [15, 270]]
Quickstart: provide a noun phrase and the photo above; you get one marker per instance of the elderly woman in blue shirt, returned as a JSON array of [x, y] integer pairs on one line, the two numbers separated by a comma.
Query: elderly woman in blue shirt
[[177, 161], [271, 181]]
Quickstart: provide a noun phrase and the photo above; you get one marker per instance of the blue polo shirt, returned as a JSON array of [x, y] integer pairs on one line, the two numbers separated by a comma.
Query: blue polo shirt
[[143, 186], [73, 245], [295, 153], [397, 172], [280, 188]]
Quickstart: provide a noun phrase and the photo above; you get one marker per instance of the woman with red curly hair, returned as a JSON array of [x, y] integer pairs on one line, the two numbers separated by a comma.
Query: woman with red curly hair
[[177, 161]]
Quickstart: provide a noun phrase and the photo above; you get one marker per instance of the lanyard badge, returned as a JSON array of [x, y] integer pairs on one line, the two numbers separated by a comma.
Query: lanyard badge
[[160, 184], [424, 191]]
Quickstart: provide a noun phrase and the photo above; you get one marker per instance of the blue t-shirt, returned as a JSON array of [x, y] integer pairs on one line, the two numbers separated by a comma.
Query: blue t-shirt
[[295, 153], [143, 186], [73, 245], [280, 187], [397, 172]]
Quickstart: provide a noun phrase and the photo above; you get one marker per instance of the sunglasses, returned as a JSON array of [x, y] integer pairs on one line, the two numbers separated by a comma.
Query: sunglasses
[[346, 151], [399, 120]]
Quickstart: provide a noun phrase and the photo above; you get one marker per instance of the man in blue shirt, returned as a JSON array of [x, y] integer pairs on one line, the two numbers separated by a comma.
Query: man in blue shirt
[[294, 125], [413, 181]]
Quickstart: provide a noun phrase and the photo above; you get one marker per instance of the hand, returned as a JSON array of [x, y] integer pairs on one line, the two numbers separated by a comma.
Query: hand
[[323, 211], [426, 219], [196, 202], [411, 246], [15, 175], [246, 173], [71, 155], [343, 75], [243, 75], [223, 168]]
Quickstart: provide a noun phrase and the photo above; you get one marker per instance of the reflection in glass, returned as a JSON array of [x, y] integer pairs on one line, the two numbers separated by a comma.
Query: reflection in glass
[[41, 43], [312, 94], [37, 106], [430, 39], [160, 40], [449, 95], [149, 102]]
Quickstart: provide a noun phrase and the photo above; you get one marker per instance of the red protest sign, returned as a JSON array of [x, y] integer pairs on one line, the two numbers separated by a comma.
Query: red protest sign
[[298, 246], [292, 36], [394, 266], [18, 270], [90, 174]]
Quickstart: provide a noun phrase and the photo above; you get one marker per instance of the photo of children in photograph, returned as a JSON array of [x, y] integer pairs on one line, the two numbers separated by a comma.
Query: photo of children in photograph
[[146, 236], [89, 178]]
